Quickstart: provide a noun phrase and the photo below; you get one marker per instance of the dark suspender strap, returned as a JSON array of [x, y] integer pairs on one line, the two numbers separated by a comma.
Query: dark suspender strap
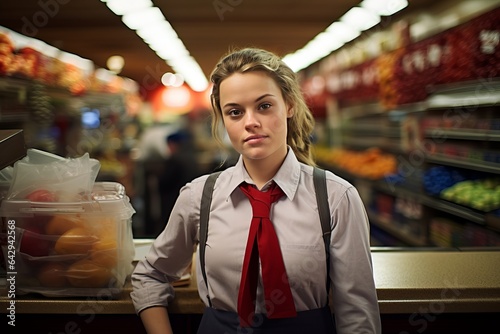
[[319, 177], [206, 201]]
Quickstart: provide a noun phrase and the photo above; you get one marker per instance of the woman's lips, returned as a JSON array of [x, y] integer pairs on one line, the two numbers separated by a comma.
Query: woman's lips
[[254, 139]]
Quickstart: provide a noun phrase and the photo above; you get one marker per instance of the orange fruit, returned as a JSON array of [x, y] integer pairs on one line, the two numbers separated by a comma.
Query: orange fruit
[[106, 227], [105, 253], [59, 224], [52, 275], [77, 240], [87, 274]]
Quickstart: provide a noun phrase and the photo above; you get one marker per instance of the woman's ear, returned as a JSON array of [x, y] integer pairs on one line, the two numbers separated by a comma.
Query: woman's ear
[[289, 112]]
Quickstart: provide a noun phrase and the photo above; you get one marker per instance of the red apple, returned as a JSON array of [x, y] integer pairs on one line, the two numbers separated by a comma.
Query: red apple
[[42, 195]]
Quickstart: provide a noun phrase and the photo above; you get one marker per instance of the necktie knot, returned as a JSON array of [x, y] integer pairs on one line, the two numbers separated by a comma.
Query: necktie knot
[[261, 201]]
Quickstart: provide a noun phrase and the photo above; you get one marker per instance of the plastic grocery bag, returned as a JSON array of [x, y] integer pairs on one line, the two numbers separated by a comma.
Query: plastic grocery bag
[[43, 177]]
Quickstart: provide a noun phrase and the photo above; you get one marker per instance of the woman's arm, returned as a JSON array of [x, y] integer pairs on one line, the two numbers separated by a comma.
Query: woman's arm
[[166, 261], [354, 293], [155, 320]]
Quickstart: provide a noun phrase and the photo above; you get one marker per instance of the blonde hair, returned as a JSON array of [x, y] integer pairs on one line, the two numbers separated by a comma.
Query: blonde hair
[[300, 125]]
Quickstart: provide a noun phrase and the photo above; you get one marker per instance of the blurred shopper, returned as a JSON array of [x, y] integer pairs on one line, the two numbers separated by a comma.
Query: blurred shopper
[[257, 98], [179, 168], [149, 157]]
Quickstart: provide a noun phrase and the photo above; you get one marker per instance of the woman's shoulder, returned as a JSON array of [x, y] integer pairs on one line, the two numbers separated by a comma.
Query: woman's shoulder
[[199, 182], [332, 179]]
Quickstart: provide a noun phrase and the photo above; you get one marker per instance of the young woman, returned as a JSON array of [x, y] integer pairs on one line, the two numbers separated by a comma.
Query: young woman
[[257, 98]]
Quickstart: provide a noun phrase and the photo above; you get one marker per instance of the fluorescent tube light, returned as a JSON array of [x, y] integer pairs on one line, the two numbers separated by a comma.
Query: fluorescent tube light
[[343, 31], [122, 7], [142, 18], [384, 7], [360, 18]]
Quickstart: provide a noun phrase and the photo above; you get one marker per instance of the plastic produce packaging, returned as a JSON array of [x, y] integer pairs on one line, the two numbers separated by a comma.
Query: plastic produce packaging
[[65, 179], [73, 236]]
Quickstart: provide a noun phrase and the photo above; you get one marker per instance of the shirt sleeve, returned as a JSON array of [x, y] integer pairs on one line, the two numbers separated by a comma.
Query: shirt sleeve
[[354, 295], [169, 256]]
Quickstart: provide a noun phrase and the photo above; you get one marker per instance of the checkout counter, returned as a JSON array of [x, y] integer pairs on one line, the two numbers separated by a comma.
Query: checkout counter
[[420, 290]]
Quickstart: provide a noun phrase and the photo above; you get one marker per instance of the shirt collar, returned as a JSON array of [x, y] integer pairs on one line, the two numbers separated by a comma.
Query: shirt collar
[[287, 177]]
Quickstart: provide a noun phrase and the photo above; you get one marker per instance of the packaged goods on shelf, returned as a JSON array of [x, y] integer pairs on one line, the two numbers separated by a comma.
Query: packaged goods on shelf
[[444, 232]]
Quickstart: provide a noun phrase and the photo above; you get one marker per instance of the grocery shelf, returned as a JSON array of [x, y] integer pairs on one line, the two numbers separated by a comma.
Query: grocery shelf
[[432, 202], [483, 166], [363, 143], [454, 209], [392, 132], [368, 109], [395, 190], [409, 108], [465, 94], [12, 146], [386, 225], [363, 130], [469, 134], [19, 87]]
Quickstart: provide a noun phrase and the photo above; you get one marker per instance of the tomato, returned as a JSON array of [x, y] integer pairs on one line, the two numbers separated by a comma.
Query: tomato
[[42, 195]]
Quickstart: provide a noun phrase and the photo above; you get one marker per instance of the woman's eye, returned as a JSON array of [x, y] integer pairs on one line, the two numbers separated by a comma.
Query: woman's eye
[[265, 106], [234, 112]]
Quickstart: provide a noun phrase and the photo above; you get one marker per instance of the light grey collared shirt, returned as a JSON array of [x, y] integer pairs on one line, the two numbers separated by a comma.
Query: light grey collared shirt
[[296, 220]]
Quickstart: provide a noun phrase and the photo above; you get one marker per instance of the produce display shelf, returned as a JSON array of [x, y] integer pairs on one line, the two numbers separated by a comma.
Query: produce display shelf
[[12, 146], [483, 166], [454, 209], [395, 190], [386, 225], [365, 130], [465, 94], [363, 143], [469, 134]]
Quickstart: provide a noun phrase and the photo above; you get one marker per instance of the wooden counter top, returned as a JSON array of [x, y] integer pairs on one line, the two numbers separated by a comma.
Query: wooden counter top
[[439, 282], [407, 281]]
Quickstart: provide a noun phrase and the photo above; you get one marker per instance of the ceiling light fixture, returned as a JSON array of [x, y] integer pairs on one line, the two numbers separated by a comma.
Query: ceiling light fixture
[[152, 27], [115, 63], [384, 7], [122, 7], [346, 29], [360, 19]]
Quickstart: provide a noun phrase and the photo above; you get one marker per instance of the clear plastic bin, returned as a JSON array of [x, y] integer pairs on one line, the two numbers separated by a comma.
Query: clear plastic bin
[[73, 248]]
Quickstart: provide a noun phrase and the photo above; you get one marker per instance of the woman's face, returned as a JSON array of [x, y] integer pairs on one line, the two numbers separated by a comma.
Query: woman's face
[[255, 116]]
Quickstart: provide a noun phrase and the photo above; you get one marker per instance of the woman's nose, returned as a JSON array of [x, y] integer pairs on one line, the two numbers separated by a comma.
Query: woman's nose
[[251, 119]]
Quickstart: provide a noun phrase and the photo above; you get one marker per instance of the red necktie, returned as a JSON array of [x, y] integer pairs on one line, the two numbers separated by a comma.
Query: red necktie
[[262, 240]]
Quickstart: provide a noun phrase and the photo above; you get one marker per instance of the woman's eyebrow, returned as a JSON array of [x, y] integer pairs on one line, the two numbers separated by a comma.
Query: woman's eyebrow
[[234, 104]]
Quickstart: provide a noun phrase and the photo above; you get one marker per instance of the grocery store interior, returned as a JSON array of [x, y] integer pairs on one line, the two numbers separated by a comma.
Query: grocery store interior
[[405, 96], [405, 108]]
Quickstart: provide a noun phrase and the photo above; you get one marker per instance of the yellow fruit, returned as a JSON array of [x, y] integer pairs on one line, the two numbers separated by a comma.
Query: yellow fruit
[[75, 241], [105, 253], [52, 275], [105, 227], [59, 224], [87, 274]]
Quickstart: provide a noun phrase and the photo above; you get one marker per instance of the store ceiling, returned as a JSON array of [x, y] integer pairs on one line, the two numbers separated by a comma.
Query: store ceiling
[[89, 29]]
